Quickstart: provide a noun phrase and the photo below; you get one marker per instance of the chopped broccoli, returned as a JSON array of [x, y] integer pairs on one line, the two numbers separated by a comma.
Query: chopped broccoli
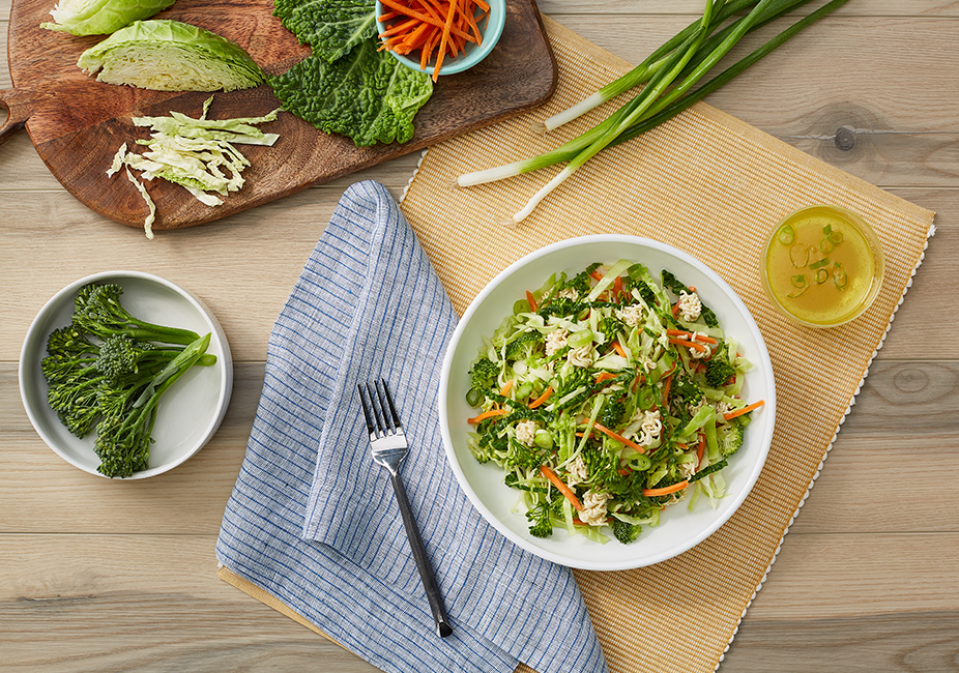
[[625, 532], [560, 306], [719, 369], [523, 347], [690, 393], [612, 413], [98, 311], [730, 437], [540, 524], [483, 374], [580, 282], [612, 327]]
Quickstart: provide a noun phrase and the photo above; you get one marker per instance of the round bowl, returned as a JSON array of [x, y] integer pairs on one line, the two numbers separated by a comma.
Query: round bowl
[[474, 53], [188, 414], [859, 296], [680, 529]]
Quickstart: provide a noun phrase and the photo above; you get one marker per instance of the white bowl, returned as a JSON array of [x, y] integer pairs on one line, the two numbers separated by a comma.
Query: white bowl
[[680, 529], [188, 414]]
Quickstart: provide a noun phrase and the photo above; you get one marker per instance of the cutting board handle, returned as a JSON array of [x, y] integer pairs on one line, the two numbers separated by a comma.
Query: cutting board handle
[[17, 113]]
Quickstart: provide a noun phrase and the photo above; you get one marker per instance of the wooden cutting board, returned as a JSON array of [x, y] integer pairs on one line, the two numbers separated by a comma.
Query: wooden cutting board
[[77, 124]]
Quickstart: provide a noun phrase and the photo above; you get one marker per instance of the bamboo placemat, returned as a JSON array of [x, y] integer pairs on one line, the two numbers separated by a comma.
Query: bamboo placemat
[[713, 186]]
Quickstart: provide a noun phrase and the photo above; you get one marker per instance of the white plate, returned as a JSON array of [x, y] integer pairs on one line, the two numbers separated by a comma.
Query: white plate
[[188, 414], [680, 529]]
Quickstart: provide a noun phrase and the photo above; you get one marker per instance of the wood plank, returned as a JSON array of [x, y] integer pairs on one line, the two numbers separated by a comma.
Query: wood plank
[[77, 602], [247, 278], [920, 397], [144, 603]]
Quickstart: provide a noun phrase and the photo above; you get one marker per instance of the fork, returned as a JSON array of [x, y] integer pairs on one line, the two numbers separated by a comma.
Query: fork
[[389, 446]]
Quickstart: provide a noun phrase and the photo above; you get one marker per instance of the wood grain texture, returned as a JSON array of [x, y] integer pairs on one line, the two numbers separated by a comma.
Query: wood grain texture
[[866, 579], [77, 124]]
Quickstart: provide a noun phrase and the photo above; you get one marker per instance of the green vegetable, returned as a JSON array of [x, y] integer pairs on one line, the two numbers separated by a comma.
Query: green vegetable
[[168, 55], [197, 154], [367, 95], [101, 17], [608, 435], [668, 91], [331, 27], [109, 369]]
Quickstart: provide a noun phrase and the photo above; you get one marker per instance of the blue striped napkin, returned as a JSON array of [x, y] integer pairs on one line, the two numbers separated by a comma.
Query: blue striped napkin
[[313, 521]]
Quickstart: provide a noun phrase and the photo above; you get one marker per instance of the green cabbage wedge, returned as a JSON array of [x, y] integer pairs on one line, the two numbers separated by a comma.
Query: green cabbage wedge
[[101, 17], [169, 55]]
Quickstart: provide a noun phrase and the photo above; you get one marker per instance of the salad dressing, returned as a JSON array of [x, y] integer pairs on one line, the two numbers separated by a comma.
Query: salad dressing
[[823, 266]]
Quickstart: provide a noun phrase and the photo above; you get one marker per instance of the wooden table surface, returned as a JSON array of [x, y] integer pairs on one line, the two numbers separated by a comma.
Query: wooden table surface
[[108, 576]]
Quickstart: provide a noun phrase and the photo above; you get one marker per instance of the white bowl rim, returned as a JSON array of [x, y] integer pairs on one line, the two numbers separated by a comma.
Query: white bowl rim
[[226, 382], [737, 498]]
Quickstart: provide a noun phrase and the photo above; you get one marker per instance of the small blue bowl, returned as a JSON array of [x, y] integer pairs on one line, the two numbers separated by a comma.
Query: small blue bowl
[[473, 54]]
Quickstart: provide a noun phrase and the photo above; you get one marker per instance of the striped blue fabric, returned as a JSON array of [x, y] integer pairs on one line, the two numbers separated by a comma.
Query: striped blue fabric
[[314, 522]]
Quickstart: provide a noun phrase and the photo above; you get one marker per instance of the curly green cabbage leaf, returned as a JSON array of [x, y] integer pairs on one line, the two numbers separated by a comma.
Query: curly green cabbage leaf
[[101, 17], [169, 55], [367, 95], [331, 27]]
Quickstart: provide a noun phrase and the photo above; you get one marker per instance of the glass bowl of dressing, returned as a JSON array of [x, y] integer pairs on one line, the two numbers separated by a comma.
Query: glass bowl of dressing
[[822, 266]]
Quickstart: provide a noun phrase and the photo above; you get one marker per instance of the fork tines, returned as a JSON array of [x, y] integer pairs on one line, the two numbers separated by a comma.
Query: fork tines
[[381, 416]]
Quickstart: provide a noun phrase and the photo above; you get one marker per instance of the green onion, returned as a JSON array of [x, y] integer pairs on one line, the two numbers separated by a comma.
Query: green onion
[[818, 265], [787, 235], [652, 106]]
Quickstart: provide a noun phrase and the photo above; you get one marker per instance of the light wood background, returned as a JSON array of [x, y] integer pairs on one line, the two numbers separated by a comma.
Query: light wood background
[[108, 576]]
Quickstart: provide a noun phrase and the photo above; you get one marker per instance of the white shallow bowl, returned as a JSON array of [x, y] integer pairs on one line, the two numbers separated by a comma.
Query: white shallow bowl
[[680, 529], [188, 414]]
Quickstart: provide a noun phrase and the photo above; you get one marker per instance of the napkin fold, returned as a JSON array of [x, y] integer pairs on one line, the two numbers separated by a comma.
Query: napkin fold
[[314, 522]]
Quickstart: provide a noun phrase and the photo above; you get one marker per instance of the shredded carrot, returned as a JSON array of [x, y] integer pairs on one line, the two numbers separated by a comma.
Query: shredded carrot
[[689, 344], [487, 414], [387, 16], [596, 275], [508, 387], [685, 335], [676, 309], [745, 410], [563, 488], [619, 438], [604, 376], [542, 398], [619, 349], [665, 490], [618, 287], [532, 301], [700, 450]]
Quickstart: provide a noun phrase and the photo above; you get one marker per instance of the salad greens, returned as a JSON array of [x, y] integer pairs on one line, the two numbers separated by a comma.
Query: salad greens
[[101, 17], [169, 55], [348, 85], [197, 154], [606, 397]]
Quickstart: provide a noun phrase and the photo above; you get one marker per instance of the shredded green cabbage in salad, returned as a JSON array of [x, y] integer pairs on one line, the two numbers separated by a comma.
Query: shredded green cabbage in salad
[[607, 397]]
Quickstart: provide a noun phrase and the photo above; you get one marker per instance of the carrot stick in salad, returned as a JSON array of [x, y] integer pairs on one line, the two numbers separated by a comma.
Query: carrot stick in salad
[[688, 344], [604, 376], [619, 438], [542, 398], [508, 387], [563, 488], [685, 335], [532, 301], [700, 450], [665, 490], [745, 410], [492, 413], [618, 347]]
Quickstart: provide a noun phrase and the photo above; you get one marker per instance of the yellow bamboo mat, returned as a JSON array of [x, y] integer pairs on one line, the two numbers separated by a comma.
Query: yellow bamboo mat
[[713, 186]]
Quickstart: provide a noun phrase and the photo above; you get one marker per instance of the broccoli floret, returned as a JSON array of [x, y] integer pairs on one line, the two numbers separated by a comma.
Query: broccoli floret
[[483, 374], [689, 392], [612, 413], [540, 524], [719, 369], [98, 311], [561, 306], [129, 412], [612, 327], [580, 282], [625, 532], [730, 437], [70, 340], [523, 347]]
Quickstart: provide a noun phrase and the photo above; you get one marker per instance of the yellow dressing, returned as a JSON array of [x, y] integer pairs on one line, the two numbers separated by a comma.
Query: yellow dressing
[[823, 266]]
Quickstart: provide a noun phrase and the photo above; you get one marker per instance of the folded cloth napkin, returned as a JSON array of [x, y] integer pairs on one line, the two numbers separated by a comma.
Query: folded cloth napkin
[[314, 522]]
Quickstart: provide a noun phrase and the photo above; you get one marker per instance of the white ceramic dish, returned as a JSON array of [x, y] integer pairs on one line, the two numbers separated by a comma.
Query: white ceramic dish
[[680, 528], [189, 413]]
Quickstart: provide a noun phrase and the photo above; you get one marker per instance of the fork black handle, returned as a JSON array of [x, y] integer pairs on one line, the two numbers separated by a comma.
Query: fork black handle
[[433, 595]]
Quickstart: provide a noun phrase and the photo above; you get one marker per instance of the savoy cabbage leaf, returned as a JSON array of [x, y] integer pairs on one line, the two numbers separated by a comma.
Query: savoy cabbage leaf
[[333, 28], [367, 95]]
